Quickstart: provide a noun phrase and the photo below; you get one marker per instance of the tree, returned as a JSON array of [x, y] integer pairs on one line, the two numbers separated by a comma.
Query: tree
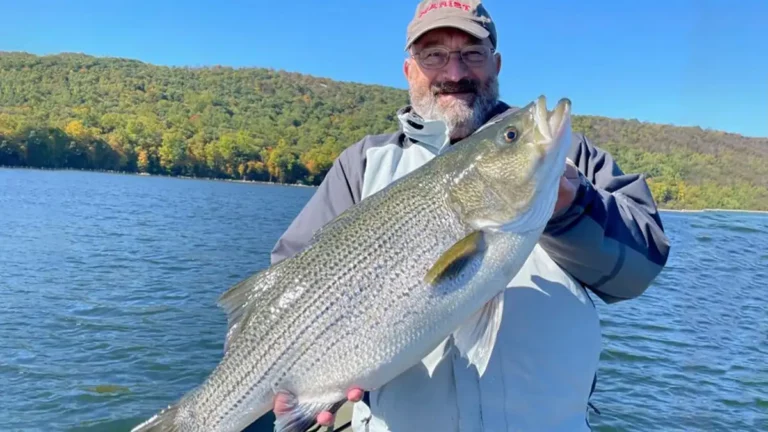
[[173, 152]]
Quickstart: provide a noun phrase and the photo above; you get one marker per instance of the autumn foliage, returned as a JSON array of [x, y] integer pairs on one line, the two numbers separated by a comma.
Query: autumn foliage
[[83, 112]]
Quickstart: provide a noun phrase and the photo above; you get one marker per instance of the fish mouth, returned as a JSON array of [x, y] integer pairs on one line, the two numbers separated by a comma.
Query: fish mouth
[[551, 127], [553, 140], [552, 124]]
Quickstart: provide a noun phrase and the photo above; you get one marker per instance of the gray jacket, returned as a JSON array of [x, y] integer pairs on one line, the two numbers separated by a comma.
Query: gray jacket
[[611, 239]]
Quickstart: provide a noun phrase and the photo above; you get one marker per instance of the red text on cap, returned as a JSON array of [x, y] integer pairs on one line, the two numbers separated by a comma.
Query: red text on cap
[[444, 4]]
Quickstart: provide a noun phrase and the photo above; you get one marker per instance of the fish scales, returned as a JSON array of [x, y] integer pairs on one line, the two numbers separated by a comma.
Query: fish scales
[[367, 257]]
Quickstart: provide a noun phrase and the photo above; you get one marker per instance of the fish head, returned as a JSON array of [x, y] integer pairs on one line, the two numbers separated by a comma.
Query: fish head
[[518, 161]]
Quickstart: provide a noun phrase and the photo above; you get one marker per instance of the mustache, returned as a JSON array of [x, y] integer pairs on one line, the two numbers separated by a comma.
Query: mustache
[[464, 85]]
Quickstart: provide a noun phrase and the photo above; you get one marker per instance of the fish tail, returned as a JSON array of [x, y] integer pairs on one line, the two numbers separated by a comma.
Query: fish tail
[[164, 421]]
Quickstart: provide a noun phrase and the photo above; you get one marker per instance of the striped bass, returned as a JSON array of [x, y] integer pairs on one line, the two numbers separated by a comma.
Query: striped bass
[[387, 283]]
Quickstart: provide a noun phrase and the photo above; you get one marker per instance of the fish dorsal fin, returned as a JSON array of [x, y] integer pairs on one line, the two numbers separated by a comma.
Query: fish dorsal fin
[[454, 259], [476, 338], [237, 301], [234, 301]]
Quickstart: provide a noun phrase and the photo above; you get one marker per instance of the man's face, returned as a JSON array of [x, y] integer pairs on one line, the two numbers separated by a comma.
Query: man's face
[[461, 91]]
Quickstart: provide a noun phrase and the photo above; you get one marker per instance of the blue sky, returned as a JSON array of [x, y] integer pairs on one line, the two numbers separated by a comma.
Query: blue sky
[[685, 62]]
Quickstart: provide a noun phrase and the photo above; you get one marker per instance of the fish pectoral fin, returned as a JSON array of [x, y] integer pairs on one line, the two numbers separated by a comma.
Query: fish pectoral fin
[[456, 257], [476, 338], [300, 416], [434, 358]]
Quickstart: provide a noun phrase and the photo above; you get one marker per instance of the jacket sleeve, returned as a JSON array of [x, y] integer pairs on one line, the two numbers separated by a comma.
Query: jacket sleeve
[[611, 239], [339, 190]]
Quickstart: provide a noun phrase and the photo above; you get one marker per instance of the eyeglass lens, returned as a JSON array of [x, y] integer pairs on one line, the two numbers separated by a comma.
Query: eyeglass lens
[[436, 57]]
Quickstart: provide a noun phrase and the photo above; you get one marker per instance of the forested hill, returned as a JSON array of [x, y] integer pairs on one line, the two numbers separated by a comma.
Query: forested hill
[[84, 112]]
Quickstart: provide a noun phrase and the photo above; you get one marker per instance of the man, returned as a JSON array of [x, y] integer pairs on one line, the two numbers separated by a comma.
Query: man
[[605, 235]]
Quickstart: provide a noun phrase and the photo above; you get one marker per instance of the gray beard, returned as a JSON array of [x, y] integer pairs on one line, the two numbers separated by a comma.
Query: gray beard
[[460, 119]]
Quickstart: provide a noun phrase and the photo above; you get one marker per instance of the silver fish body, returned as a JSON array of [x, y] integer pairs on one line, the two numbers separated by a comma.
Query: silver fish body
[[385, 284]]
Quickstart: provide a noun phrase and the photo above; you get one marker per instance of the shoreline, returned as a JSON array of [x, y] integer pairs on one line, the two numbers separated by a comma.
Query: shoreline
[[712, 210], [259, 182], [141, 174]]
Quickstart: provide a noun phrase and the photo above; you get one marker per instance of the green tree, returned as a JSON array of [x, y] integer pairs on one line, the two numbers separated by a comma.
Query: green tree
[[173, 152]]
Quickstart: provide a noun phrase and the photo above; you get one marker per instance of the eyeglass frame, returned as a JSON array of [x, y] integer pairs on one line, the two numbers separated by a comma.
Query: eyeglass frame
[[486, 49]]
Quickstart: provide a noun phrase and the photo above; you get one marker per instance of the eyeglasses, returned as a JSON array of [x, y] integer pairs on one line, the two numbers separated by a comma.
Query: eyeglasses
[[437, 57]]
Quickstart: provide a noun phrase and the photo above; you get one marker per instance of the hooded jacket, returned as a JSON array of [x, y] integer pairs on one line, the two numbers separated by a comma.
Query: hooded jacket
[[610, 241]]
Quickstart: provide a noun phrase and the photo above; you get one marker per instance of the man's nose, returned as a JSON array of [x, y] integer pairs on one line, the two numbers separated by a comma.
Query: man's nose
[[456, 69]]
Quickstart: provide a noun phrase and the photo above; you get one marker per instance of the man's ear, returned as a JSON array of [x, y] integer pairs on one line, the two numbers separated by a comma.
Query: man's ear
[[406, 68], [497, 57]]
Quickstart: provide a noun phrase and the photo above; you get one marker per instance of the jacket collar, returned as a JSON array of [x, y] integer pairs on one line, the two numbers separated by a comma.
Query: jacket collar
[[432, 134]]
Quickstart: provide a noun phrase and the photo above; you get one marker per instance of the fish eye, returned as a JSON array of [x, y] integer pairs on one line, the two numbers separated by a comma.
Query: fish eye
[[510, 134]]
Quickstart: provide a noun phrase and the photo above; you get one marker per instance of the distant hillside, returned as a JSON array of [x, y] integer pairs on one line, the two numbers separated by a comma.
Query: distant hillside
[[78, 111]]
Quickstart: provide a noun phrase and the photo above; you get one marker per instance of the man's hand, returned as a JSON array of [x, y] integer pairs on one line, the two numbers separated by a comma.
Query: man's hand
[[569, 185], [325, 418]]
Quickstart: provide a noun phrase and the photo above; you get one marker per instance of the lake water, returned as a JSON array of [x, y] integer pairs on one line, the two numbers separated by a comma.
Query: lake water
[[108, 286]]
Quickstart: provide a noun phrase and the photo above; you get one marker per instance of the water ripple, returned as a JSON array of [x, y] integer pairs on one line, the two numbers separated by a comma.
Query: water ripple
[[109, 283], [693, 348]]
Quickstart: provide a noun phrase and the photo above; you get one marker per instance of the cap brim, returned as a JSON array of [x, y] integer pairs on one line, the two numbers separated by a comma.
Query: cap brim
[[462, 24]]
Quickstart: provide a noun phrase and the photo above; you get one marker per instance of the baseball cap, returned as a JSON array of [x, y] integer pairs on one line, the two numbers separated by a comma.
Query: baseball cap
[[466, 15]]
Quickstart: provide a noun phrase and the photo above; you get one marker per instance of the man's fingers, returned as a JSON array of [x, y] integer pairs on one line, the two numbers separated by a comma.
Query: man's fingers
[[325, 418], [355, 395], [281, 404]]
